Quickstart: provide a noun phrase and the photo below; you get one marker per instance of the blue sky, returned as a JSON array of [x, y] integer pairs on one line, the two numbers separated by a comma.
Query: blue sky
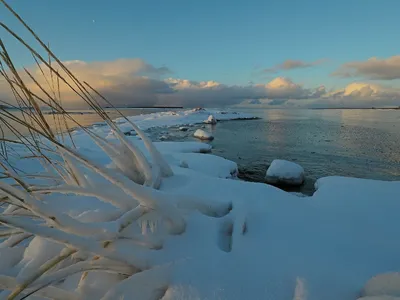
[[227, 41]]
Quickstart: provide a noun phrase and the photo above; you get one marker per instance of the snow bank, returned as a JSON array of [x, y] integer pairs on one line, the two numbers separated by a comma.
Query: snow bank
[[212, 165], [203, 135], [285, 172]]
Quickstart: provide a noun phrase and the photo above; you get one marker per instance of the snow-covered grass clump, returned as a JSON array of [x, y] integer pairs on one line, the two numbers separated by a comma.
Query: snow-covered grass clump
[[285, 172]]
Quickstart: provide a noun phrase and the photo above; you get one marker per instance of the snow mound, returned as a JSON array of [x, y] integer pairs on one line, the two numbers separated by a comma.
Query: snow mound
[[203, 135], [211, 120], [285, 172], [208, 164]]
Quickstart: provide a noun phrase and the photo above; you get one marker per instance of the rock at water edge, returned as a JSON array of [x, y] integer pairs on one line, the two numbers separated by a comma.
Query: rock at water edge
[[285, 172], [203, 135]]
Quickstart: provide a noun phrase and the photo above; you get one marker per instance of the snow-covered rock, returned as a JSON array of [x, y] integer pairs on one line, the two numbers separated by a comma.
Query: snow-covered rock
[[203, 135], [285, 172], [211, 120], [383, 284], [183, 128]]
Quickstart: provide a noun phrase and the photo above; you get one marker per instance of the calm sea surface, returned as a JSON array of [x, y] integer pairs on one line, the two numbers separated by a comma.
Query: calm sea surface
[[356, 143]]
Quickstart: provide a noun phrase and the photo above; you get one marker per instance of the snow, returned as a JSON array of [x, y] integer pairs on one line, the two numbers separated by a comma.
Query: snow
[[215, 237], [211, 120], [285, 172], [180, 118], [203, 135]]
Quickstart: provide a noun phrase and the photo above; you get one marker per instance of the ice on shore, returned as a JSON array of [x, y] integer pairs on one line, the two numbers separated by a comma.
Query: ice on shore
[[243, 240], [203, 135], [285, 172], [180, 118]]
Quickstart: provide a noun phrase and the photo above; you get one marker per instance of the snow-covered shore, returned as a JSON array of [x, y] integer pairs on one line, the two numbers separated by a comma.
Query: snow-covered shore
[[261, 242]]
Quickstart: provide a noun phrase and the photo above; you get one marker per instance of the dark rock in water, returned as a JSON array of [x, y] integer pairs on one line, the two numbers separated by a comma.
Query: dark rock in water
[[183, 128], [130, 133]]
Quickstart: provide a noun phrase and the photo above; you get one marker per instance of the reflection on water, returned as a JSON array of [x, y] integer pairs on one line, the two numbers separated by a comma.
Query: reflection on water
[[357, 143]]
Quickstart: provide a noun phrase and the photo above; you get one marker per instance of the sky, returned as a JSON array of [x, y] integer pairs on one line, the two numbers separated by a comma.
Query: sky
[[283, 53]]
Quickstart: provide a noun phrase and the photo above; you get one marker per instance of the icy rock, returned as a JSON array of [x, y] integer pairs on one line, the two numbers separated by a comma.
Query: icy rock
[[211, 120], [163, 138], [203, 135], [131, 133], [387, 284], [285, 172], [183, 128]]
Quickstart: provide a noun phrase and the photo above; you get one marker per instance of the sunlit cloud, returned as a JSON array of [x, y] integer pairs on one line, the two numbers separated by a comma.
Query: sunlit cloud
[[373, 68], [134, 82], [359, 95]]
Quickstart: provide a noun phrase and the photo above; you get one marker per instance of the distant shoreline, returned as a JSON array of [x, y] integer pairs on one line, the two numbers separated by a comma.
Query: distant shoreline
[[139, 107], [365, 108]]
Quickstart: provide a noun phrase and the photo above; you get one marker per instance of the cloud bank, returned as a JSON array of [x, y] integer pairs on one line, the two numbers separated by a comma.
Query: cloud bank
[[360, 94], [134, 82]]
